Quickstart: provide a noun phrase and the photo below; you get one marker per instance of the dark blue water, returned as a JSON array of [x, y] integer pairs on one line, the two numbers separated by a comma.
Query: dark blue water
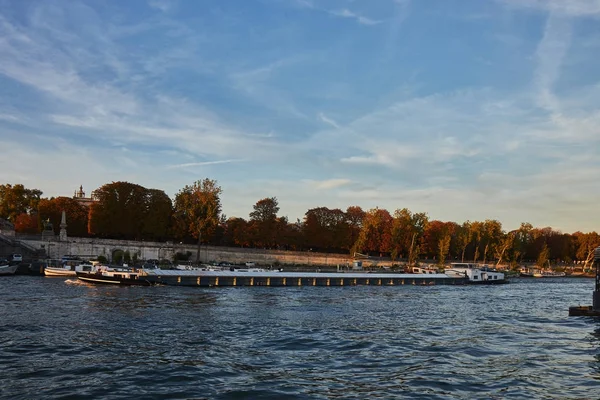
[[60, 339]]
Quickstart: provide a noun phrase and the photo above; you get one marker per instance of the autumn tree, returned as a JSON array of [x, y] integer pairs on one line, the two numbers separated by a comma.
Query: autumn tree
[[463, 238], [354, 218], [542, 258], [491, 236], [76, 214], [444, 247], [327, 229], [197, 209], [406, 234], [26, 223], [17, 199], [586, 243], [375, 234], [504, 247], [236, 232]]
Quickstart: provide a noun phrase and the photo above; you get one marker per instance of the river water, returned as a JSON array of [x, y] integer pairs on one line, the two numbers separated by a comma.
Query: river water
[[62, 339]]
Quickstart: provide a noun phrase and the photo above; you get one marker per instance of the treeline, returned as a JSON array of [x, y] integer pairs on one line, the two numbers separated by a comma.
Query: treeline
[[124, 210]]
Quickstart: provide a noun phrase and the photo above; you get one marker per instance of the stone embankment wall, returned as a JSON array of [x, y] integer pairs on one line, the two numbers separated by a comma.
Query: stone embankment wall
[[89, 248]]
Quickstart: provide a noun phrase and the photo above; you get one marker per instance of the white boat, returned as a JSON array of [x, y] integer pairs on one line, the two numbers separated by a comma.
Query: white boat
[[67, 270], [477, 274], [8, 269]]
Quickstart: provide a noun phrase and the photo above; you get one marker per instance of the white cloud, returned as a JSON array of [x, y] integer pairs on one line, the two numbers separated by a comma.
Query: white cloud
[[328, 183], [345, 13]]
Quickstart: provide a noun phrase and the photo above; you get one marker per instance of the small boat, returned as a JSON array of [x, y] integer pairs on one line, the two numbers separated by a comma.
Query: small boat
[[477, 274], [8, 269], [67, 270], [114, 276]]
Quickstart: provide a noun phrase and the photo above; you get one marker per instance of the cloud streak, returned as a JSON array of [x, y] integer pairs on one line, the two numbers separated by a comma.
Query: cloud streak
[[345, 13]]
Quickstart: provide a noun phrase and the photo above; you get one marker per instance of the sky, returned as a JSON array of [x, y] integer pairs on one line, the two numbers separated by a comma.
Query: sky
[[463, 109]]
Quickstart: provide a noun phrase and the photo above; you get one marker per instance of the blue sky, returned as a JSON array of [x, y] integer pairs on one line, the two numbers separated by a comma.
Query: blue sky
[[466, 110]]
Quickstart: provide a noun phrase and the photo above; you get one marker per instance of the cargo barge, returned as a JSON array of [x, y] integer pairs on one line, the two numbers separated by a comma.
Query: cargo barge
[[257, 277]]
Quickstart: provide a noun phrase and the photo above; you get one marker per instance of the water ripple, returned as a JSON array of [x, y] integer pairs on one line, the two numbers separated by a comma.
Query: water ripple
[[60, 339]]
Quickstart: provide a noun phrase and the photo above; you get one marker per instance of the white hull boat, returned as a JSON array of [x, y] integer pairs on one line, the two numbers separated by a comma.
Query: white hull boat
[[8, 269], [67, 271]]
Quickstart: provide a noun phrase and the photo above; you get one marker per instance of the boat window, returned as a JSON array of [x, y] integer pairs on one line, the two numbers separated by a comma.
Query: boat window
[[475, 277]]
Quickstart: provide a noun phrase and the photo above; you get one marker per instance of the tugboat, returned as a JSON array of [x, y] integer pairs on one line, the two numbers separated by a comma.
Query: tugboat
[[103, 274], [477, 275]]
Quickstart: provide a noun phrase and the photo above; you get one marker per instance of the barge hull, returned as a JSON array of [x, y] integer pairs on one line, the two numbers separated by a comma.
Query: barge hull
[[279, 279]]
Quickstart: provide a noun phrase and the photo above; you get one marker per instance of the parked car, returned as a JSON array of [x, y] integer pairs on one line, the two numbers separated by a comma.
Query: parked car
[[16, 258]]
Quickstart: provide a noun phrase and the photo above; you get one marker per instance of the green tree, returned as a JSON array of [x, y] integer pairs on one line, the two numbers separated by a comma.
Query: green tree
[[119, 212], [157, 215], [17, 199], [264, 222]]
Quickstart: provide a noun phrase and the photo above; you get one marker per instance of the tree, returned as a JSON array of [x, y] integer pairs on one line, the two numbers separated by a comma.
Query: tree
[[354, 218], [506, 243], [444, 247], [17, 199], [542, 259], [264, 222], [586, 244], [407, 231], [375, 234], [119, 212], [491, 235], [157, 215], [465, 234], [26, 223], [236, 233], [198, 209], [326, 229], [76, 214]]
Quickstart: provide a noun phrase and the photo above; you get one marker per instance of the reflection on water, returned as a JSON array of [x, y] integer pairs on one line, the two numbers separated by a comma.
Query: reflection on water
[[63, 339]]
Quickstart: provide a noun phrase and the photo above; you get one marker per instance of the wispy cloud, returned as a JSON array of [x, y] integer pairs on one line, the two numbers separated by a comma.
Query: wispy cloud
[[204, 163], [328, 121], [574, 8], [162, 5], [550, 53], [361, 19]]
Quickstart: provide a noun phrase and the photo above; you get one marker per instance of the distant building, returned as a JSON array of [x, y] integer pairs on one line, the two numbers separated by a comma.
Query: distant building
[[79, 195]]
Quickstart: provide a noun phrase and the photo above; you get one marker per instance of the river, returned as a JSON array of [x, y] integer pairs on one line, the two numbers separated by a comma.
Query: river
[[63, 339]]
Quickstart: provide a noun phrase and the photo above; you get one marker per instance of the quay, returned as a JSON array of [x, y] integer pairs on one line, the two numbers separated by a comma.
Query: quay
[[276, 278]]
